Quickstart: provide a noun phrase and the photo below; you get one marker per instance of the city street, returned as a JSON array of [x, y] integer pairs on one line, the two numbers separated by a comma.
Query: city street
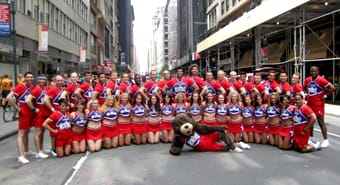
[[152, 164]]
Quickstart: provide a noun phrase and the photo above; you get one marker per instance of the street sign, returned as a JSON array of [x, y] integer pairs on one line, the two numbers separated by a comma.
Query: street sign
[[5, 19]]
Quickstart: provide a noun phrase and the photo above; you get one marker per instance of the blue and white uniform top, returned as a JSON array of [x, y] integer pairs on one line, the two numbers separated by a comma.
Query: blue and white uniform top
[[180, 109], [195, 110], [94, 116], [222, 110], [234, 109], [180, 87], [260, 112], [194, 140], [79, 120], [210, 108], [153, 112], [287, 114], [63, 123], [124, 111], [273, 111], [110, 114], [139, 110], [167, 110], [247, 112]]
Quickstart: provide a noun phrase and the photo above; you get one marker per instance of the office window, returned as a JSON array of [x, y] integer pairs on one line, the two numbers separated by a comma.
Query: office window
[[93, 44], [51, 8], [36, 10], [21, 6], [93, 20], [222, 7], [29, 7]]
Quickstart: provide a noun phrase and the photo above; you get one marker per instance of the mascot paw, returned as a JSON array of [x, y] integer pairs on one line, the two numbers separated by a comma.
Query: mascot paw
[[244, 146], [236, 150], [222, 127]]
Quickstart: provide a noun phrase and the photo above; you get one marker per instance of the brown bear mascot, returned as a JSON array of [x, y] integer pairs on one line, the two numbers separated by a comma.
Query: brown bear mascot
[[198, 136]]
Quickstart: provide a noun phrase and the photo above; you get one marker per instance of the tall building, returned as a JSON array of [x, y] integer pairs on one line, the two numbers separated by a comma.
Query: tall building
[[125, 18], [191, 26], [290, 35], [68, 31]]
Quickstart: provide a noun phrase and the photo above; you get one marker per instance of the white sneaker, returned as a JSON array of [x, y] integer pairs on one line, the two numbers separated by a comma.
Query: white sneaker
[[30, 153], [316, 145], [236, 150], [325, 143], [23, 160], [46, 151], [312, 140], [53, 153], [41, 155], [244, 146]]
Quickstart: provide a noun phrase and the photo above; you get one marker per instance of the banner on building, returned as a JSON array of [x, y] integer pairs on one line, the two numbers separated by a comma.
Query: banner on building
[[43, 38], [5, 19], [82, 54]]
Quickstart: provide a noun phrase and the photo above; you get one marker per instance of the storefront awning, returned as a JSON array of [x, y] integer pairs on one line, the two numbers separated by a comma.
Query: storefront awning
[[266, 11]]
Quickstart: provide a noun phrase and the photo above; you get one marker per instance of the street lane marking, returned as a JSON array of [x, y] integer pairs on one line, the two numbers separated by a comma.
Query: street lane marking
[[329, 133], [77, 167]]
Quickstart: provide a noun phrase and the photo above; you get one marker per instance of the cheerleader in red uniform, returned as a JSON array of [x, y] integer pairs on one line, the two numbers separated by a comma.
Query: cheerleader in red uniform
[[167, 112], [234, 116], [273, 113], [78, 122], [260, 130], [139, 128], [221, 110], [209, 110], [286, 131], [124, 120], [109, 123], [154, 119], [196, 107], [94, 134], [248, 120]]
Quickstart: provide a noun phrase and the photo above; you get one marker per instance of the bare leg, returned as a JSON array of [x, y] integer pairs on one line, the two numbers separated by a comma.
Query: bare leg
[[92, 146], [151, 138], [67, 150], [82, 146], [26, 140], [257, 138], [137, 139], [165, 136], [37, 139], [60, 151], [20, 144], [98, 144], [144, 138], [156, 137], [114, 142], [76, 147], [264, 138], [171, 136], [107, 142], [323, 126], [121, 139]]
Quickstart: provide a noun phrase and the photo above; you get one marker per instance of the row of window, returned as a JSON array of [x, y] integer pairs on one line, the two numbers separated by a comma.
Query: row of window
[[79, 6], [45, 12]]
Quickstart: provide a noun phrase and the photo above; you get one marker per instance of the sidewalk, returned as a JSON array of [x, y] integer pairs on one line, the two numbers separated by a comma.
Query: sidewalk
[[9, 129]]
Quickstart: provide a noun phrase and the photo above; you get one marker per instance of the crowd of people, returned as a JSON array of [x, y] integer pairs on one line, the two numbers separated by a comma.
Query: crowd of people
[[113, 112]]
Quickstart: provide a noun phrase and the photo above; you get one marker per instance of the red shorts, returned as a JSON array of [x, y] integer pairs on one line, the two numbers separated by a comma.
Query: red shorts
[[154, 127], [234, 127], [94, 134], [26, 120], [209, 123], [248, 128], [273, 129], [124, 128], [166, 125], [139, 128], [39, 120], [63, 139], [221, 123], [260, 128], [209, 142], [319, 110], [286, 131], [109, 131], [78, 136], [301, 137]]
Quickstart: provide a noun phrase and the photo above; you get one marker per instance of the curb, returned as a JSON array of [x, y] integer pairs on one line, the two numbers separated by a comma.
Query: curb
[[9, 134], [334, 115]]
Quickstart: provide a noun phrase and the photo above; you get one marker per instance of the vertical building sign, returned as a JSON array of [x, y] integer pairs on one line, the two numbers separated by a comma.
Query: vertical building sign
[[5, 20], [43, 38], [82, 55]]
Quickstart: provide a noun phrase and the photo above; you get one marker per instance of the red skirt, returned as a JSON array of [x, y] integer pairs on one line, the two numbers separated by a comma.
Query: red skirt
[[209, 123], [260, 128], [286, 131], [78, 136], [124, 128], [166, 125], [94, 134], [273, 129], [139, 128], [248, 128], [63, 138], [109, 131], [154, 127], [234, 127], [301, 137]]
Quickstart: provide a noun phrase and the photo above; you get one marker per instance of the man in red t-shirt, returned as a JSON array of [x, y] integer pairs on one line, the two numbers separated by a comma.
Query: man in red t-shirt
[[100, 89], [212, 85], [247, 85], [236, 85], [151, 87], [35, 101], [318, 89], [284, 85], [21, 91], [70, 90], [113, 84], [126, 87], [197, 80], [223, 81], [84, 91], [271, 84], [260, 86], [161, 84], [181, 84]]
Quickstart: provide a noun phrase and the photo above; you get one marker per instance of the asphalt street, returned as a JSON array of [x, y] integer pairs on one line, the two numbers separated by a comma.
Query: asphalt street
[[153, 165]]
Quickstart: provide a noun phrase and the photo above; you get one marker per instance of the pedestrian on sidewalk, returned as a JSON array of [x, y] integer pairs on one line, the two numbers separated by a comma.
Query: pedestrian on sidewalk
[[318, 89]]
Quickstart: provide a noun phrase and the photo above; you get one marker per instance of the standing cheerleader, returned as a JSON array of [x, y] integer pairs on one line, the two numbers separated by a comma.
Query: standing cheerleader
[[109, 123], [139, 128], [195, 107], [235, 119], [124, 120], [221, 110], [153, 119], [209, 110], [273, 113], [167, 117], [248, 120], [260, 131], [78, 122], [180, 106], [286, 131], [94, 134]]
